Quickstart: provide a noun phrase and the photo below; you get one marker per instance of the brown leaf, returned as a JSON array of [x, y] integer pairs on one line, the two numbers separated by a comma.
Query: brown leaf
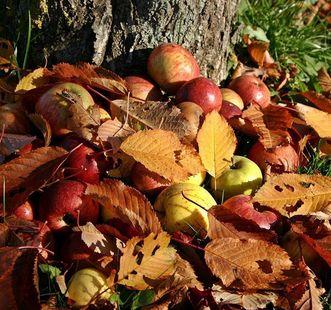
[[122, 165], [145, 260], [12, 143], [29, 172], [7, 53], [31, 81], [320, 121], [248, 264], [127, 204], [324, 79], [161, 152], [271, 124], [18, 279], [155, 115], [4, 234], [113, 128], [217, 143], [43, 125], [294, 194], [247, 300], [224, 223], [257, 50], [319, 100]]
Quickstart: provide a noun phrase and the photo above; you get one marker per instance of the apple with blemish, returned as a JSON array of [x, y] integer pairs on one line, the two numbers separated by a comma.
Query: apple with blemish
[[143, 89], [281, 158], [54, 105], [25, 211], [251, 90], [193, 114], [202, 91], [64, 203], [171, 65]]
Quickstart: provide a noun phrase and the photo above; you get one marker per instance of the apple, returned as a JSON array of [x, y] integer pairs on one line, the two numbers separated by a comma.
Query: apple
[[171, 65], [230, 96], [143, 89], [14, 118], [60, 203], [243, 177], [53, 105], [281, 158], [201, 91], [229, 110], [87, 284], [25, 211], [192, 113], [251, 90], [183, 206]]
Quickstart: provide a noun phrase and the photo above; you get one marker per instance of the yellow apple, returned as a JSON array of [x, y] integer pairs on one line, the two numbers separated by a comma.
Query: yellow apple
[[86, 284], [197, 179], [243, 177], [182, 206]]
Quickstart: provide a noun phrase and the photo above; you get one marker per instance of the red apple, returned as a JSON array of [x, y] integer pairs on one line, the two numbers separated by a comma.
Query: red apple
[[203, 92], [24, 211], [229, 110], [146, 181], [54, 105], [60, 203], [171, 65], [251, 90], [143, 89], [230, 96], [280, 158]]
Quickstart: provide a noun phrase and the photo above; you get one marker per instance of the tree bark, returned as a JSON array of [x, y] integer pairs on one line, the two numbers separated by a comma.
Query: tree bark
[[119, 34]]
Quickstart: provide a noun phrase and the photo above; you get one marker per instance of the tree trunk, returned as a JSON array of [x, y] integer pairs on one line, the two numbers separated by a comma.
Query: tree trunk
[[119, 34]]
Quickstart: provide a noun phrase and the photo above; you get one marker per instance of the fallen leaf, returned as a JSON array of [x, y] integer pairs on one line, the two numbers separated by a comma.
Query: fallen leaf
[[319, 100], [217, 143], [127, 204], [7, 53], [12, 143], [320, 121], [113, 128], [294, 194], [43, 125], [248, 264], [257, 51], [146, 259], [324, 80], [31, 81], [161, 152]]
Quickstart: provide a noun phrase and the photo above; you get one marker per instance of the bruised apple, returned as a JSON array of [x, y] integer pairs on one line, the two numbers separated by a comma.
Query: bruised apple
[[24, 211], [282, 158], [143, 89], [62, 203], [171, 65], [243, 177], [251, 90], [203, 92], [54, 105], [87, 284], [183, 206]]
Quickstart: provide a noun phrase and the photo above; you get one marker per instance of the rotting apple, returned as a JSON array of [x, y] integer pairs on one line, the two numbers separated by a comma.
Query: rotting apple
[[143, 89], [202, 91], [230, 96], [86, 285], [281, 158], [63, 202], [171, 65], [54, 105], [183, 206], [243, 177], [251, 90], [25, 211]]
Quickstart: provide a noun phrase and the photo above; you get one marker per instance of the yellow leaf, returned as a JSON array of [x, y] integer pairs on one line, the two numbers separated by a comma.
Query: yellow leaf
[[162, 152], [33, 80], [295, 194], [217, 143], [146, 259], [320, 121]]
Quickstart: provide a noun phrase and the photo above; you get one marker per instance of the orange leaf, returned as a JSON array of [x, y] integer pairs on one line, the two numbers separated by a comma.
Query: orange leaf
[[324, 79], [257, 51], [217, 143], [319, 100]]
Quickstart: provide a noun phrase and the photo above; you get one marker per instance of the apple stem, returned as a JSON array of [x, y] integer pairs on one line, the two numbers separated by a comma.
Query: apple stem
[[188, 244], [190, 200]]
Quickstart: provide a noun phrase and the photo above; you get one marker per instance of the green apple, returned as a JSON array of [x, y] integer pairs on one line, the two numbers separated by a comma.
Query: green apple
[[243, 177], [86, 284], [198, 178], [183, 206]]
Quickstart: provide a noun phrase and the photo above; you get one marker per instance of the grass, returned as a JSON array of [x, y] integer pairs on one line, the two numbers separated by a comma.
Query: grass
[[294, 39]]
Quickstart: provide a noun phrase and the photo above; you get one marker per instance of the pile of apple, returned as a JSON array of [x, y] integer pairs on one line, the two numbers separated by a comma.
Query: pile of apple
[[173, 71]]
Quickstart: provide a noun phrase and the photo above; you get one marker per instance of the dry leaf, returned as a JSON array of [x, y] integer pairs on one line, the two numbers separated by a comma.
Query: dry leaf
[[324, 80], [31, 81], [320, 121], [271, 124], [319, 100], [12, 143], [249, 301], [217, 143], [127, 204], [43, 125], [7, 52], [145, 260], [161, 152], [155, 115], [257, 50], [294, 194], [122, 166], [248, 264]]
